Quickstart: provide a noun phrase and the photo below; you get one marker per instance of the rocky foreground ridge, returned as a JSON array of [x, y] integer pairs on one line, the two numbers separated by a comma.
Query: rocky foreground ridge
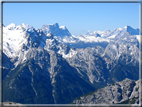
[[124, 92]]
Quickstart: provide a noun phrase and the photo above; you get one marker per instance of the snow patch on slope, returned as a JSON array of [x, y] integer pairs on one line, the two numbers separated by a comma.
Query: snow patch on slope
[[69, 55]]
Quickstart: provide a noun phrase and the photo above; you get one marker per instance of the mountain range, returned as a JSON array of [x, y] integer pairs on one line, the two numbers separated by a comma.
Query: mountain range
[[51, 66]]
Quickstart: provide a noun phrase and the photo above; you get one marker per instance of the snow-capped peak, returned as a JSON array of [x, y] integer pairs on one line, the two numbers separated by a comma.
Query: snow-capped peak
[[63, 27], [11, 26], [119, 29], [27, 27]]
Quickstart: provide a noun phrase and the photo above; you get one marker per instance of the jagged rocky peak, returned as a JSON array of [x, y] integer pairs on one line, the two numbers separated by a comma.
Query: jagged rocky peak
[[56, 25], [56, 30], [132, 30], [50, 27], [127, 26]]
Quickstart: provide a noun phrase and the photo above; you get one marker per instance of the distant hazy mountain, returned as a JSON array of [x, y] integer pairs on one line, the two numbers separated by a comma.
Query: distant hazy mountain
[[101, 38], [56, 30], [39, 67]]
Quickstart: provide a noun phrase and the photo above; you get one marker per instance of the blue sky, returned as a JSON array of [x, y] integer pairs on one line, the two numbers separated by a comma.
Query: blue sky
[[77, 17]]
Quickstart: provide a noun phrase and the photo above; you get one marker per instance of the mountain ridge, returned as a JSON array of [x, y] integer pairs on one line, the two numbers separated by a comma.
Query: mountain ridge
[[124, 91]]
